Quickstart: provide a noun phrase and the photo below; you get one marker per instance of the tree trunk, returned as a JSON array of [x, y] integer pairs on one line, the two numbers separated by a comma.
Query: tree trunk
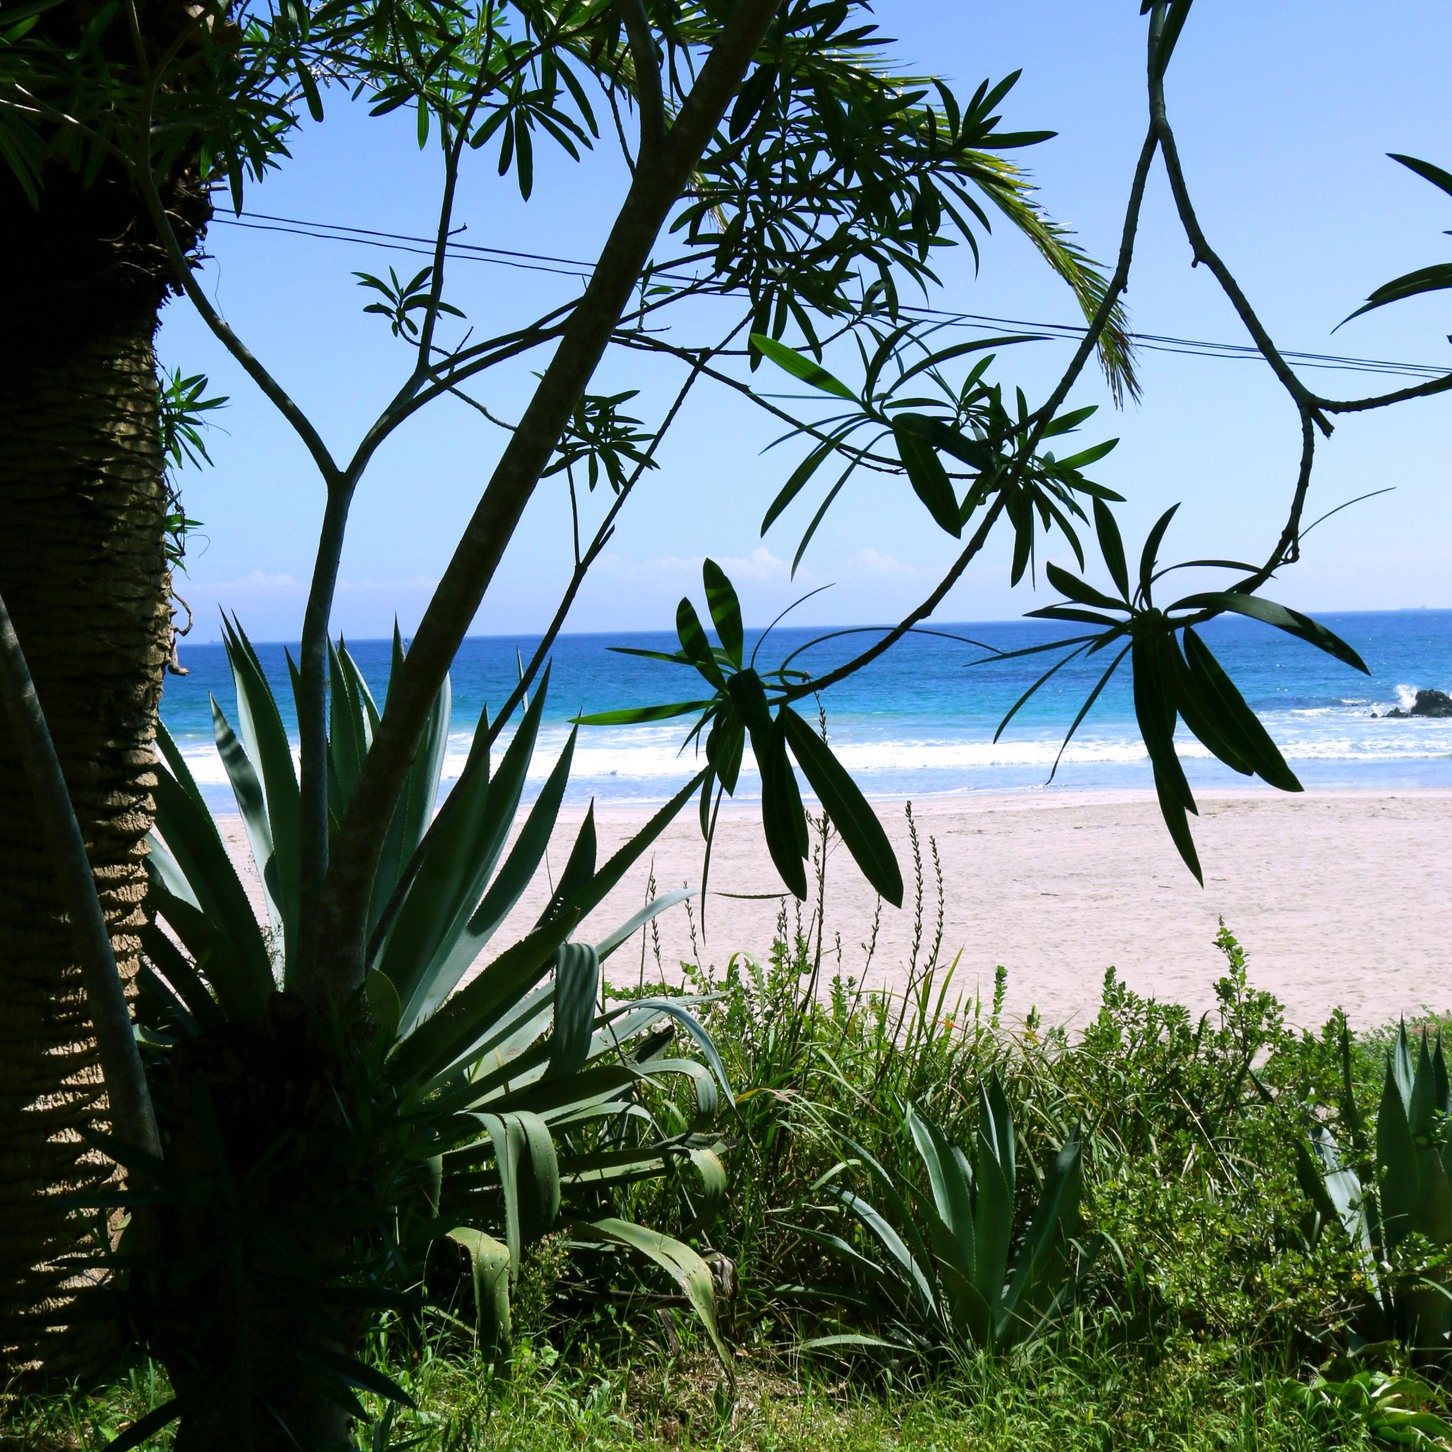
[[83, 570]]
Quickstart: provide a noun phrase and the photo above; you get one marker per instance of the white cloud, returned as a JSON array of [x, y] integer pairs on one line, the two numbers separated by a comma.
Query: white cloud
[[758, 567], [254, 582], [877, 563]]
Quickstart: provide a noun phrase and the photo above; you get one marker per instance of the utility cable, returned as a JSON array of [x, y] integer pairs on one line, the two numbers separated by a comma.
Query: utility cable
[[573, 267]]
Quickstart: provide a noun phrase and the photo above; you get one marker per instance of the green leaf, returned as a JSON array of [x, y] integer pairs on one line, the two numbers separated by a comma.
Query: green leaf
[[929, 479], [1426, 170], [634, 715], [861, 832], [695, 644], [725, 611], [796, 483], [1156, 716], [1217, 692], [800, 367], [1436, 278], [1291, 621], [1111, 545], [679, 1261], [489, 1274], [1149, 556], [1076, 589], [782, 817]]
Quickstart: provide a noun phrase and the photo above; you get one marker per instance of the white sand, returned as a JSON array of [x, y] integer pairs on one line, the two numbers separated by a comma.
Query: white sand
[[1338, 897]]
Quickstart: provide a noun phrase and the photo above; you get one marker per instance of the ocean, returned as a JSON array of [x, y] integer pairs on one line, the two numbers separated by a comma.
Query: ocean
[[920, 721]]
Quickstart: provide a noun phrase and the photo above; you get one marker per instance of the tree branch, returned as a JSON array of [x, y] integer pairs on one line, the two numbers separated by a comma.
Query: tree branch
[[653, 191]]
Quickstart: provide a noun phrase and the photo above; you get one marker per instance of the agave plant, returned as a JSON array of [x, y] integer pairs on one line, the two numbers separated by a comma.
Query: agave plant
[[506, 1107], [952, 1271], [1395, 1209]]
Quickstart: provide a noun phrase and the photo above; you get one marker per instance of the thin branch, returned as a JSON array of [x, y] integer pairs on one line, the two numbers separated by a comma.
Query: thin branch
[[879, 463], [1402, 395], [1204, 252], [951, 578]]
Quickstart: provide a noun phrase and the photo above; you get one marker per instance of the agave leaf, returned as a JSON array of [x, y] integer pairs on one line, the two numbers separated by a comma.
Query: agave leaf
[[458, 860], [506, 1134], [349, 732], [514, 875], [196, 867], [489, 1268], [1039, 1278], [264, 739], [180, 976], [1397, 1159], [993, 1178], [679, 1261], [240, 988], [252, 808], [678, 1009], [419, 798], [454, 1032], [633, 924], [577, 984], [951, 1189], [907, 1274]]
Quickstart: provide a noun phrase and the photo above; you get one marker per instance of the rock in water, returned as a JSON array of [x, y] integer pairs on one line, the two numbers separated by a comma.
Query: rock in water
[[1428, 703]]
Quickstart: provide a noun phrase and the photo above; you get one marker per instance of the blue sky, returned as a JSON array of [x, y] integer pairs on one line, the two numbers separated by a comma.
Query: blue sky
[[1284, 114]]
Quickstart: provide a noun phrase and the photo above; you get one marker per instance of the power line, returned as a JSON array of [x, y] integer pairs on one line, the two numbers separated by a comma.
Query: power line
[[574, 267]]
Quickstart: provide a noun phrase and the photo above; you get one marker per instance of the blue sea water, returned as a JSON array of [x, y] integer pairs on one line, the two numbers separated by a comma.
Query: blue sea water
[[921, 720]]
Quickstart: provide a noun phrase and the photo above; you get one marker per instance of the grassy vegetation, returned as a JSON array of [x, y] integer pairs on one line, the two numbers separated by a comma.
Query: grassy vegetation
[[1203, 1305]]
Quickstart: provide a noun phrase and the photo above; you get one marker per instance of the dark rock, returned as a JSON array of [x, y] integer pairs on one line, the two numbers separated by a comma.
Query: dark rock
[[1428, 703]]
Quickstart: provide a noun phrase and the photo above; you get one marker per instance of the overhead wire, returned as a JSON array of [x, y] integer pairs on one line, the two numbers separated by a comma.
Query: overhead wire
[[574, 267]]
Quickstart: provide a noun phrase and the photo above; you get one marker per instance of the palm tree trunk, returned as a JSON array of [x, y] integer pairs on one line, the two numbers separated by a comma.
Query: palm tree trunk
[[83, 568]]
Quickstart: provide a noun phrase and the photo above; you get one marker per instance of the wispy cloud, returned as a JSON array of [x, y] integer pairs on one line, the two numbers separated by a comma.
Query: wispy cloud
[[760, 566], [252, 583], [876, 563]]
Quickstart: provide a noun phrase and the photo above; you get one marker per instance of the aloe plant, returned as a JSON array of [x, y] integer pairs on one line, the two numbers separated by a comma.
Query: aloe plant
[[1395, 1208], [510, 1103], [952, 1269]]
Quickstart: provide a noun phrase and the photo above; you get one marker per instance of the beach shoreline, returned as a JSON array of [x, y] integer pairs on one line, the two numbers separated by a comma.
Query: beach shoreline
[[1339, 897]]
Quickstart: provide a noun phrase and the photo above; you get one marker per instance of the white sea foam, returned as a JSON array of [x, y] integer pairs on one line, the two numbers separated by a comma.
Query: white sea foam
[[648, 755]]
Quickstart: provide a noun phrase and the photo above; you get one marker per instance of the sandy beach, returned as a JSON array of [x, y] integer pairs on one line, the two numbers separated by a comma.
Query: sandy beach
[[1338, 898]]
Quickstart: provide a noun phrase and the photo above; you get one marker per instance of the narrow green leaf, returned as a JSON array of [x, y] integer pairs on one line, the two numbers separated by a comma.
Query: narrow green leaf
[[725, 611], [929, 479], [1290, 621], [799, 367], [1111, 545], [861, 832]]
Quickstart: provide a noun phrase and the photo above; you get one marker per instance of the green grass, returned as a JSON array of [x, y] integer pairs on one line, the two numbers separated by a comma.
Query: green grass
[[1195, 1397]]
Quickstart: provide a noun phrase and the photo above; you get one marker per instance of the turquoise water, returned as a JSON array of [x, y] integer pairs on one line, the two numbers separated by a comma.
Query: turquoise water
[[920, 721]]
